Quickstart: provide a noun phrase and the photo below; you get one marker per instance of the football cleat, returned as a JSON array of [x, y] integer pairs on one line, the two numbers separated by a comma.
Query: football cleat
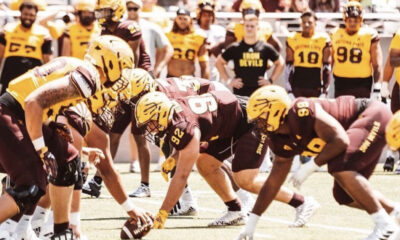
[[384, 231], [27, 235], [186, 205], [67, 234], [397, 170], [230, 218], [141, 192], [305, 211], [43, 228], [389, 164], [92, 188]]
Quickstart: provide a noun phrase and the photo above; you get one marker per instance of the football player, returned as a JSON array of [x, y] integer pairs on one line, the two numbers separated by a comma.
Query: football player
[[26, 105], [189, 44], [109, 14], [392, 65], [308, 59], [357, 56], [217, 120], [347, 134]]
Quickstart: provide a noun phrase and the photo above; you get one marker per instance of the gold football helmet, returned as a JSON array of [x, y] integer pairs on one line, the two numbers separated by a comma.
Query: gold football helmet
[[85, 5], [112, 55], [267, 107], [353, 9], [118, 8], [141, 81], [154, 106], [393, 132], [250, 4]]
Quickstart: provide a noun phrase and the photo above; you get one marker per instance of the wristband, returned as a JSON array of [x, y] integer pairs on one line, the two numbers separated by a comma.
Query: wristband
[[75, 218], [127, 205], [38, 143]]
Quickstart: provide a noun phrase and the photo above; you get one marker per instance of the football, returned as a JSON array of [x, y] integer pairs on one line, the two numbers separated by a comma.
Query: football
[[133, 230]]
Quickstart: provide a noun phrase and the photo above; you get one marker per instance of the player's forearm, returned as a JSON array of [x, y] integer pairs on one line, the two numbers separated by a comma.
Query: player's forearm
[[278, 69], [388, 71], [378, 73], [175, 190], [163, 56], [205, 70], [331, 150], [271, 186], [33, 118], [221, 69]]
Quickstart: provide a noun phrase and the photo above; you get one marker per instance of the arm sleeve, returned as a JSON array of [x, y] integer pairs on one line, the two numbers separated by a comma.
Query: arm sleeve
[[84, 82]]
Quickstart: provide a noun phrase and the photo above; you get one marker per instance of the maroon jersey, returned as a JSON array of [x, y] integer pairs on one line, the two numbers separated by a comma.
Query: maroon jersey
[[301, 120], [130, 31], [216, 114], [176, 88]]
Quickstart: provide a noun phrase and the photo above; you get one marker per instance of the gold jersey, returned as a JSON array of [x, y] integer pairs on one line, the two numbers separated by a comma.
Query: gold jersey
[[186, 47], [352, 58], [308, 52], [264, 31], [395, 44], [80, 38], [21, 42], [82, 74]]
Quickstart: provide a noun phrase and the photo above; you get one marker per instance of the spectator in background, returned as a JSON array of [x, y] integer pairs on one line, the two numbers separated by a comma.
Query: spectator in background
[[76, 39], [159, 15], [23, 44], [157, 44], [215, 33], [267, 5], [324, 5], [189, 45], [250, 57], [298, 6]]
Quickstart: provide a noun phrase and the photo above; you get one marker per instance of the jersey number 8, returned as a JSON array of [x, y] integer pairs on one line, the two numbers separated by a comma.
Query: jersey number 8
[[354, 55]]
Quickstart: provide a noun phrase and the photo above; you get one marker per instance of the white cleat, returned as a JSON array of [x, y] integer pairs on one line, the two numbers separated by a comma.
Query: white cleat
[[134, 167], [305, 211], [141, 192], [186, 205], [28, 235], [385, 231], [230, 218], [6, 235], [43, 228]]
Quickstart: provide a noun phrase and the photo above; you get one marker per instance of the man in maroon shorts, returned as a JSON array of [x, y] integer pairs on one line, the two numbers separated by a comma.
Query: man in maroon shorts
[[109, 14], [348, 134], [218, 120]]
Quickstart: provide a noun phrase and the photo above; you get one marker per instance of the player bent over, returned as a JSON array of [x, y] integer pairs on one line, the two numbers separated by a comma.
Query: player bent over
[[216, 118], [345, 133]]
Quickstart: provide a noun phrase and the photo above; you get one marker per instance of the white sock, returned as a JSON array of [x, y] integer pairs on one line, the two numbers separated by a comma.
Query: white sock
[[187, 194], [380, 216], [24, 224], [396, 210], [243, 195], [9, 226], [41, 214]]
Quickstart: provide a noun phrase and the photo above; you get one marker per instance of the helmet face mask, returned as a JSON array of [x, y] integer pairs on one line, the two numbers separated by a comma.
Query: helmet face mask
[[108, 11]]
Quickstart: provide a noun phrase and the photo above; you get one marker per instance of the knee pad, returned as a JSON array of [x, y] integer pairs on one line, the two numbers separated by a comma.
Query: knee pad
[[67, 174], [25, 196]]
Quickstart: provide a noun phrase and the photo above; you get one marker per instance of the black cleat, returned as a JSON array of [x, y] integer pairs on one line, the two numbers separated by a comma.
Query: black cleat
[[92, 188], [389, 165]]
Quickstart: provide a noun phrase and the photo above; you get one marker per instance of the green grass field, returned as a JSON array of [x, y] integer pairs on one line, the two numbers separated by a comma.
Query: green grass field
[[102, 218]]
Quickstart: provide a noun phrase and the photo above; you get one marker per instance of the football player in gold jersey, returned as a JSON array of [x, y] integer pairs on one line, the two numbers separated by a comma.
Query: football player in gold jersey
[[357, 56], [189, 45], [392, 65], [29, 146], [23, 44], [76, 39], [308, 59]]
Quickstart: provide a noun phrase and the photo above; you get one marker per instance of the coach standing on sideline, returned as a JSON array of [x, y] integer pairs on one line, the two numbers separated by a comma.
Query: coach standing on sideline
[[250, 57]]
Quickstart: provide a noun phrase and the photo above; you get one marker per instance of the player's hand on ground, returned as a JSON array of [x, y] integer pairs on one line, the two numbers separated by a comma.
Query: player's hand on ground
[[303, 173], [141, 216], [236, 83], [94, 155], [160, 219], [167, 166]]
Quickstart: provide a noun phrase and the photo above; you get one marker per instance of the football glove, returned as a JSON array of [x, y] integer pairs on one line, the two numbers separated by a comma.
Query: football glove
[[248, 231], [167, 166], [385, 92], [49, 162], [160, 219]]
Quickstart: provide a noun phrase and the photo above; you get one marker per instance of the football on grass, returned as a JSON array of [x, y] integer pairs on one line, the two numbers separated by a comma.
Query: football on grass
[[133, 230]]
